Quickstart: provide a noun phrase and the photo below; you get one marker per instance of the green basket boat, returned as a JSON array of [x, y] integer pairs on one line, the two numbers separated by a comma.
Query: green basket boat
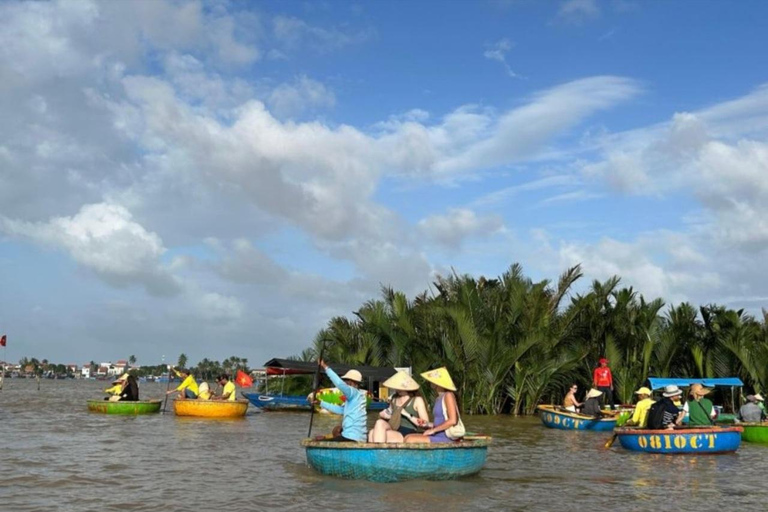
[[125, 408], [755, 432]]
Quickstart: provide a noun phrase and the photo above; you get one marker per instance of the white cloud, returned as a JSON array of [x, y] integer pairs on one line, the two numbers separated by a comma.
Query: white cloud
[[498, 52], [293, 33], [303, 94], [105, 239], [458, 224], [578, 11]]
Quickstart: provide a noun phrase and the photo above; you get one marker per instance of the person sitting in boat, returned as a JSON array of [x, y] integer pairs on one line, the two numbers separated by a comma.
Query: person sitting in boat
[[229, 392], [188, 387], [130, 391], [671, 415], [569, 402], [644, 403], [592, 404], [204, 391], [700, 410], [116, 390], [751, 412], [354, 427], [407, 410], [445, 411]]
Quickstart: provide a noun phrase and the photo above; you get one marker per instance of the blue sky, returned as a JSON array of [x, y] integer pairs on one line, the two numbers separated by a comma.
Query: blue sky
[[221, 178]]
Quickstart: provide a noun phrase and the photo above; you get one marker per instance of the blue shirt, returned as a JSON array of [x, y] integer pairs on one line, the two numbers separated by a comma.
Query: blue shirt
[[354, 423]]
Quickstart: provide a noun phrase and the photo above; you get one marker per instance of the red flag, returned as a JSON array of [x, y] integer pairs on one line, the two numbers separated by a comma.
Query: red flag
[[2, 341], [243, 379]]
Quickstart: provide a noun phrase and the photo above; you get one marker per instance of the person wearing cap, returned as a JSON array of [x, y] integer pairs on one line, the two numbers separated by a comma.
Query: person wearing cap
[[592, 404], [602, 379], [644, 403], [407, 411], [673, 416], [445, 412], [228, 391], [751, 412], [354, 424], [188, 387], [700, 410], [116, 390]]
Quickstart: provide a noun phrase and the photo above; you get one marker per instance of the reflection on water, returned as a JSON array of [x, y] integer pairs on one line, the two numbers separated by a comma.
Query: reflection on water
[[55, 455]]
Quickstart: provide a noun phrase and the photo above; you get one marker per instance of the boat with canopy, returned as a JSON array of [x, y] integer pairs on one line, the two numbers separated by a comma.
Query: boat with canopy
[[690, 440], [734, 383]]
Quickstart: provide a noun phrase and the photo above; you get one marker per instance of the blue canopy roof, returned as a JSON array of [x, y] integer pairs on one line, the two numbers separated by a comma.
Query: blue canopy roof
[[660, 382]]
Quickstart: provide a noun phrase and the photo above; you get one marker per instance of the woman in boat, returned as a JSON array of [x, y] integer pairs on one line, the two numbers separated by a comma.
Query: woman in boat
[[204, 391], [116, 390], [592, 404], [354, 419], [130, 392], [569, 402], [406, 411], [700, 410], [445, 411]]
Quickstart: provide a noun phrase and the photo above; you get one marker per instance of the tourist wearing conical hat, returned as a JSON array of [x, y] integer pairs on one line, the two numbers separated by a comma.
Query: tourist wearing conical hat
[[700, 410], [445, 412], [116, 390], [407, 409], [644, 403]]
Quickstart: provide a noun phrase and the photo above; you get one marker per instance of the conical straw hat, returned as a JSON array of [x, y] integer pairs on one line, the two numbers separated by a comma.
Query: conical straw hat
[[594, 393], [401, 381], [441, 377]]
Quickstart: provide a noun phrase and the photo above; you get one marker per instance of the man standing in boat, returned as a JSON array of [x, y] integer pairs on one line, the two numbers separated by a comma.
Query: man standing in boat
[[602, 379], [354, 424]]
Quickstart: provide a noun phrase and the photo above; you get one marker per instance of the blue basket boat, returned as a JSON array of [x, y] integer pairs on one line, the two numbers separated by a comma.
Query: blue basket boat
[[279, 402], [564, 420], [396, 462], [707, 440]]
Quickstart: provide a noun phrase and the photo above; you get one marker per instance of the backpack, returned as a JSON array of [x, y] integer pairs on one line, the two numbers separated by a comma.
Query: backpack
[[656, 416]]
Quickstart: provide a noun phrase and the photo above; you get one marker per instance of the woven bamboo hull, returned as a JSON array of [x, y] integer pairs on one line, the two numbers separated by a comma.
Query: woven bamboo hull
[[571, 421], [124, 408], [681, 441], [755, 432], [380, 462], [210, 408]]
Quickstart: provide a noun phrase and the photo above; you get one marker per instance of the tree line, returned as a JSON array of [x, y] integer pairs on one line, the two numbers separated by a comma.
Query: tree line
[[512, 343]]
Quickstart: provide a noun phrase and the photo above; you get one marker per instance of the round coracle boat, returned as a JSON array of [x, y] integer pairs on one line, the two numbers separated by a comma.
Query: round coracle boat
[[125, 408], [554, 417], [755, 432], [396, 462], [692, 440], [210, 408]]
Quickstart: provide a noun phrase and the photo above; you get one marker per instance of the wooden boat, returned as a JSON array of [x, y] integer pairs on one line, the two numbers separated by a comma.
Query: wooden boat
[[553, 418], [396, 462], [755, 432], [707, 440], [210, 408], [140, 407]]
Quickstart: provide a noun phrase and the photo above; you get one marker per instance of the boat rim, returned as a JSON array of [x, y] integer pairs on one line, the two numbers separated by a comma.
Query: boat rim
[[467, 442], [551, 409], [94, 400], [629, 431]]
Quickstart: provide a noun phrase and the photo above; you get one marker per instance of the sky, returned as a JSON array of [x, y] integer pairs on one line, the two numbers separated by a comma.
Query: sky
[[222, 178]]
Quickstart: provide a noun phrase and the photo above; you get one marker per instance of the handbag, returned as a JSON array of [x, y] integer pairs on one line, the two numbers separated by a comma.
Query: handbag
[[397, 413], [457, 431]]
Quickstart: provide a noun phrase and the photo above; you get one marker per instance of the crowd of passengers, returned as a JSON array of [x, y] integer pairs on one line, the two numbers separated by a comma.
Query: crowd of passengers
[[126, 388], [406, 419]]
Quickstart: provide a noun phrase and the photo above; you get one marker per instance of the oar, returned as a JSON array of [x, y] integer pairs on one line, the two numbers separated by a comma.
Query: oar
[[167, 389], [317, 388]]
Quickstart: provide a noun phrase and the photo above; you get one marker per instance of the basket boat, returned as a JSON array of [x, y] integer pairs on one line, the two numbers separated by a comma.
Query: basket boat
[[755, 432], [397, 462], [564, 420], [125, 408], [269, 402], [210, 408], [707, 440]]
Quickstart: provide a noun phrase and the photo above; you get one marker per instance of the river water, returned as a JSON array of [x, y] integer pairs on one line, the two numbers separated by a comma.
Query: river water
[[55, 455]]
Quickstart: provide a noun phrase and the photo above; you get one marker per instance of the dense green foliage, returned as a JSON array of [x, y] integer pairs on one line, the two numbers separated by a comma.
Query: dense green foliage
[[511, 343]]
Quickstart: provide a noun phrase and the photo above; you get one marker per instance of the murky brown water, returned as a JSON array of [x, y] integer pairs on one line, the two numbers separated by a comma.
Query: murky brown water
[[55, 455]]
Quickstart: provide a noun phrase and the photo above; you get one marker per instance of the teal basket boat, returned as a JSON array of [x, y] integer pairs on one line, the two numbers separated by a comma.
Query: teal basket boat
[[125, 408], [397, 462]]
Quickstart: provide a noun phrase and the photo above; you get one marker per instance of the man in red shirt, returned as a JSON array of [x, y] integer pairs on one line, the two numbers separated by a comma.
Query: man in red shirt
[[603, 380]]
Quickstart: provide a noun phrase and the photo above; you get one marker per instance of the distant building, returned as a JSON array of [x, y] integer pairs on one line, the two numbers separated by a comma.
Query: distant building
[[121, 367], [85, 371]]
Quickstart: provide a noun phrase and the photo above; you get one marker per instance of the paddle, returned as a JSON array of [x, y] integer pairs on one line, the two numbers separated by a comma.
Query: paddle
[[167, 389], [317, 388]]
